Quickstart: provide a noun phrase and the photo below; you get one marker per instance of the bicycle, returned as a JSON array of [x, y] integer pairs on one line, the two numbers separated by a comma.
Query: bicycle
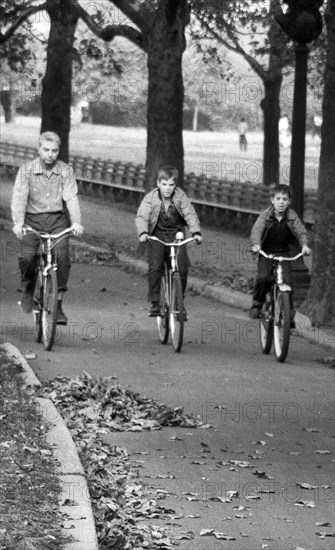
[[171, 318], [275, 318], [46, 288]]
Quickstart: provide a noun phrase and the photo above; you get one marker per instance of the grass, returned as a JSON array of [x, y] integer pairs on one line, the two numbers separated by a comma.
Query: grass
[[213, 153], [29, 507]]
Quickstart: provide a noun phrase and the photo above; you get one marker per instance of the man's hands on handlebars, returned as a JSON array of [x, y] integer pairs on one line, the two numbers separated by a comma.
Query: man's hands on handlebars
[[19, 230], [77, 229]]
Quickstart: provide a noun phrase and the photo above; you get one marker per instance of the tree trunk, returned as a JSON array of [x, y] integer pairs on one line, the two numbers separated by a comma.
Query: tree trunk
[[8, 104], [271, 112], [166, 44], [320, 303], [195, 118], [57, 82]]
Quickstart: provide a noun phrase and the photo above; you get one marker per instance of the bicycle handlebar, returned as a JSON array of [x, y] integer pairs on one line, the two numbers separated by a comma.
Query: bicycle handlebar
[[43, 235], [176, 243], [280, 258]]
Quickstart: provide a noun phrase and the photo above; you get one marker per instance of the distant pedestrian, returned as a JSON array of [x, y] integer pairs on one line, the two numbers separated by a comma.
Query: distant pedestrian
[[284, 131], [317, 123], [242, 131]]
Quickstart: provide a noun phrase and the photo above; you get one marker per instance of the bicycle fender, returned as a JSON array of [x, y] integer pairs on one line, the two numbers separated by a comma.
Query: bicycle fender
[[284, 288]]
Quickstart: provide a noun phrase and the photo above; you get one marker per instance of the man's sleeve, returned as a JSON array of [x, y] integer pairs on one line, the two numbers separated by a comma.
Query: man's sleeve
[[20, 196], [70, 188], [70, 193]]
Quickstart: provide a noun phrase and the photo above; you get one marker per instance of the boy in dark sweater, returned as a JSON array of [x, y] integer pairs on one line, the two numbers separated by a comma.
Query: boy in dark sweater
[[274, 232]]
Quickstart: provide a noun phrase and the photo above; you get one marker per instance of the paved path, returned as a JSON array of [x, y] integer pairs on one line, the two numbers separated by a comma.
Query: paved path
[[275, 417]]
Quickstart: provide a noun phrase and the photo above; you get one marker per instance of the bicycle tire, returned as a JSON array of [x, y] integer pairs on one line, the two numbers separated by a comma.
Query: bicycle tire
[[49, 310], [177, 313], [281, 327], [37, 309], [266, 326], [163, 318]]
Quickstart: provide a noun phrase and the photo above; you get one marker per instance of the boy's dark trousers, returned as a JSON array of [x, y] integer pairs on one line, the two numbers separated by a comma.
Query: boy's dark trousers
[[53, 222], [157, 253], [265, 278]]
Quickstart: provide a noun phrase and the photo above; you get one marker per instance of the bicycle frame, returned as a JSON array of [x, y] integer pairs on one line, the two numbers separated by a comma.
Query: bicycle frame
[[46, 291], [172, 310], [278, 268], [276, 318]]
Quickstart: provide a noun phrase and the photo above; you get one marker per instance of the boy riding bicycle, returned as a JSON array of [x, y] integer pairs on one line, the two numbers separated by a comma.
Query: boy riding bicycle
[[275, 231], [162, 213]]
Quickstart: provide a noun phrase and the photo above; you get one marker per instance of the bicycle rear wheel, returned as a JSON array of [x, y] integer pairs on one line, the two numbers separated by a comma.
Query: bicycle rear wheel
[[49, 310], [37, 311], [281, 328], [177, 313], [266, 326], [163, 318]]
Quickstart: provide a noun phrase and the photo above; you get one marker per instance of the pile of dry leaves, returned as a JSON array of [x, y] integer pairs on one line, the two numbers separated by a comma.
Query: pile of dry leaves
[[29, 507], [125, 511]]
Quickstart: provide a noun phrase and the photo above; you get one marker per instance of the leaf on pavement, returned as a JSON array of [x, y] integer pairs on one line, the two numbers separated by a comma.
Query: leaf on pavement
[[307, 486], [307, 503]]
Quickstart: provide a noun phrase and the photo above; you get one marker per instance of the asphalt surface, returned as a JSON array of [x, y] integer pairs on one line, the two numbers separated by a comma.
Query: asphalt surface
[[277, 418]]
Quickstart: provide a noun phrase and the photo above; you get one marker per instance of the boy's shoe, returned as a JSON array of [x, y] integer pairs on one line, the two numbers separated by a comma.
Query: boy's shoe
[[61, 317], [27, 301], [155, 309], [254, 312], [185, 318]]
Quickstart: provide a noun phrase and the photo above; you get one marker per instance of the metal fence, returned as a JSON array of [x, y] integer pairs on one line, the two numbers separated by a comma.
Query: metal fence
[[217, 201]]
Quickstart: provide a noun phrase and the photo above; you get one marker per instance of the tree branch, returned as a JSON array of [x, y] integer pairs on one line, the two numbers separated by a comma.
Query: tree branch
[[24, 15], [109, 32], [138, 12], [235, 47]]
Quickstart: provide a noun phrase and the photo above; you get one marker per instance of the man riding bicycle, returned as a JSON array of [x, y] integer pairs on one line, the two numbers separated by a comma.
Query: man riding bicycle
[[45, 197], [162, 213]]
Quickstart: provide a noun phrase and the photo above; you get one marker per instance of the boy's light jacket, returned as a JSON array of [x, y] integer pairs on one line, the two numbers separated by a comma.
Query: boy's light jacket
[[148, 212], [265, 220]]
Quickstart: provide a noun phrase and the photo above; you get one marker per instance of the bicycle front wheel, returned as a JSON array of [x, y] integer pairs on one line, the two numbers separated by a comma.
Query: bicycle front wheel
[[163, 318], [281, 328], [49, 310], [177, 313], [266, 326], [37, 310]]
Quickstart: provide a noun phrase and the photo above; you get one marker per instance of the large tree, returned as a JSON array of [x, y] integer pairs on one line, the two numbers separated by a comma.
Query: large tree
[[57, 81], [158, 28], [250, 30], [320, 303], [16, 48]]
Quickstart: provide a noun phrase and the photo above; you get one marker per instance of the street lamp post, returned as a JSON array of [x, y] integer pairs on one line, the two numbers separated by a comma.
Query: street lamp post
[[302, 22]]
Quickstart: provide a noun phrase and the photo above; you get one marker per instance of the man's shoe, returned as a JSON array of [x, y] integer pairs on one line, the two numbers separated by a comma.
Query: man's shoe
[[254, 312], [27, 301], [61, 317], [155, 310], [292, 324]]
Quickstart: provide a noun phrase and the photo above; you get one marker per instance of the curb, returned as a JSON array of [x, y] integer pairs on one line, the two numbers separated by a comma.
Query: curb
[[224, 295], [74, 499]]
